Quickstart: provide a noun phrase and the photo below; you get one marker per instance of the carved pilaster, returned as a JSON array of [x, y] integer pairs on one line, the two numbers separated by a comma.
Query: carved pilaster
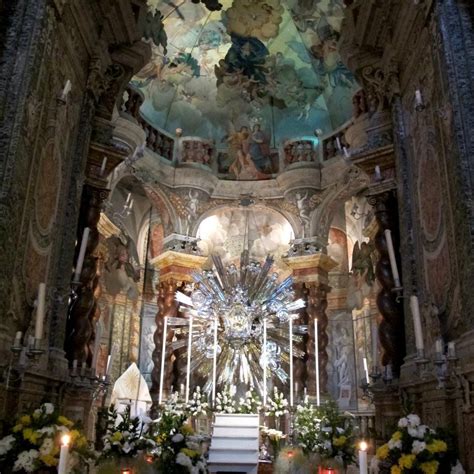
[[316, 310], [310, 273], [391, 328], [175, 271], [84, 312]]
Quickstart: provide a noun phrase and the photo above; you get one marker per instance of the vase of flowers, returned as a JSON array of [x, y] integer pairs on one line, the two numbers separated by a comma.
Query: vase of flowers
[[326, 435], [33, 444], [275, 438], [225, 402], [277, 407], [249, 404], [417, 449]]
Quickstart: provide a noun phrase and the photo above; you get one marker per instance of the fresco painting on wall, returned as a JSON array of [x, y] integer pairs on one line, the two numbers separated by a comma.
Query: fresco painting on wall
[[270, 62]]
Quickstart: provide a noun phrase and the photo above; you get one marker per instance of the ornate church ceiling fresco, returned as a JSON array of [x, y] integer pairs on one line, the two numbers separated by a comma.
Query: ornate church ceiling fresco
[[274, 63]]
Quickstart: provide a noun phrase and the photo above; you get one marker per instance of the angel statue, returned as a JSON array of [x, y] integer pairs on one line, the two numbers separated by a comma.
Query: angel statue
[[122, 267], [362, 263], [302, 203]]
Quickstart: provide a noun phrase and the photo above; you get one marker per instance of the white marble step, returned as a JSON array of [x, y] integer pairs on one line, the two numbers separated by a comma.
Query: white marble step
[[235, 432], [234, 458], [237, 444], [249, 469], [236, 420]]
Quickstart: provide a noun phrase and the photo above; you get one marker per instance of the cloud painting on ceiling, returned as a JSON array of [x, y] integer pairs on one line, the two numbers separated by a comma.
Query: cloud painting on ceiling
[[272, 63]]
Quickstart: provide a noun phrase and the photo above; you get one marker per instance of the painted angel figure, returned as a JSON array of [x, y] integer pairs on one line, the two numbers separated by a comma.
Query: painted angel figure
[[362, 263]]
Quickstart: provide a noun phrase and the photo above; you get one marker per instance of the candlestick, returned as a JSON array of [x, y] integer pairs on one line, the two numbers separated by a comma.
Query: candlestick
[[316, 360], [163, 355], [264, 362], [188, 366], [64, 453], [214, 365], [366, 370], [378, 174], [391, 255], [67, 88], [415, 312], [82, 253], [363, 465], [41, 302], [95, 354], [17, 341], [291, 361], [102, 168]]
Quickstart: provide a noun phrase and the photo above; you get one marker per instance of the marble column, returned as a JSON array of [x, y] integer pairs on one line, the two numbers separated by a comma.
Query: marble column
[[175, 272], [391, 328], [310, 273]]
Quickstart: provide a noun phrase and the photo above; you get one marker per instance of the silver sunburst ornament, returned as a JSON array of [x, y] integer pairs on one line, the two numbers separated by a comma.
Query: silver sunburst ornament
[[231, 312]]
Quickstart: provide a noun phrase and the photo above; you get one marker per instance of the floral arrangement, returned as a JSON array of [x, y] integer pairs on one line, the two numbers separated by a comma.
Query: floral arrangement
[[176, 450], [125, 436], [416, 448], [225, 402], [34, 443], [278, 405], [275, 437], [175, 405], [197, 404], [251, 403], [326, 432]]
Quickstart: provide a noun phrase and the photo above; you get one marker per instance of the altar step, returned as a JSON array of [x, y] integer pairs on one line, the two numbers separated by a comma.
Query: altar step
[[234, 444]]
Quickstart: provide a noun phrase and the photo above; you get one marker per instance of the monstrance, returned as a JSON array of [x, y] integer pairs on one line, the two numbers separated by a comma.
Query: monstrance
[[230, 312]]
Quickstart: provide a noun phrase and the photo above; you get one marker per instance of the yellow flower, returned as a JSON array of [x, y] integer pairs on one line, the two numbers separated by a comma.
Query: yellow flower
[[74, 435], [382, 452], [117, 436], [189, 452], [406, 461], [437, 446], [25, 419], [397, 436], [81, 442], [62, 420], [30, 435], [395, 470], [17, 428], [49, 460], [339, 441], [429, 467], [187, 429]]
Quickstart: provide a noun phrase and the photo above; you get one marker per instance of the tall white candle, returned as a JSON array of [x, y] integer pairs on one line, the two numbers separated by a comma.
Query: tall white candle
[[102, 167], [439, 346], [98, 337], [64, 453], [366, 370], [131, 204], [41, 303], [452, 349], [110, 360], [188, 366], [129, 196], [346, 152], [418, 98], [363, 465], [378, 174], [316, 360], [265, 362], [415, 312], [163, 356], [291, 361], [375, 343], [214, 364], [391, 256], [17, 341], [338, 142], [82, 254], [66, 90]]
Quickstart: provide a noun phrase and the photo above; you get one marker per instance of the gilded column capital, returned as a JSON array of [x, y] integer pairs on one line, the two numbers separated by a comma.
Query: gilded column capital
[[177, 266], [311, 268]]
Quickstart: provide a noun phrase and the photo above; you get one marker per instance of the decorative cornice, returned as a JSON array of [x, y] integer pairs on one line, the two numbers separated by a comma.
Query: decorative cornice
[[177, 265]]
